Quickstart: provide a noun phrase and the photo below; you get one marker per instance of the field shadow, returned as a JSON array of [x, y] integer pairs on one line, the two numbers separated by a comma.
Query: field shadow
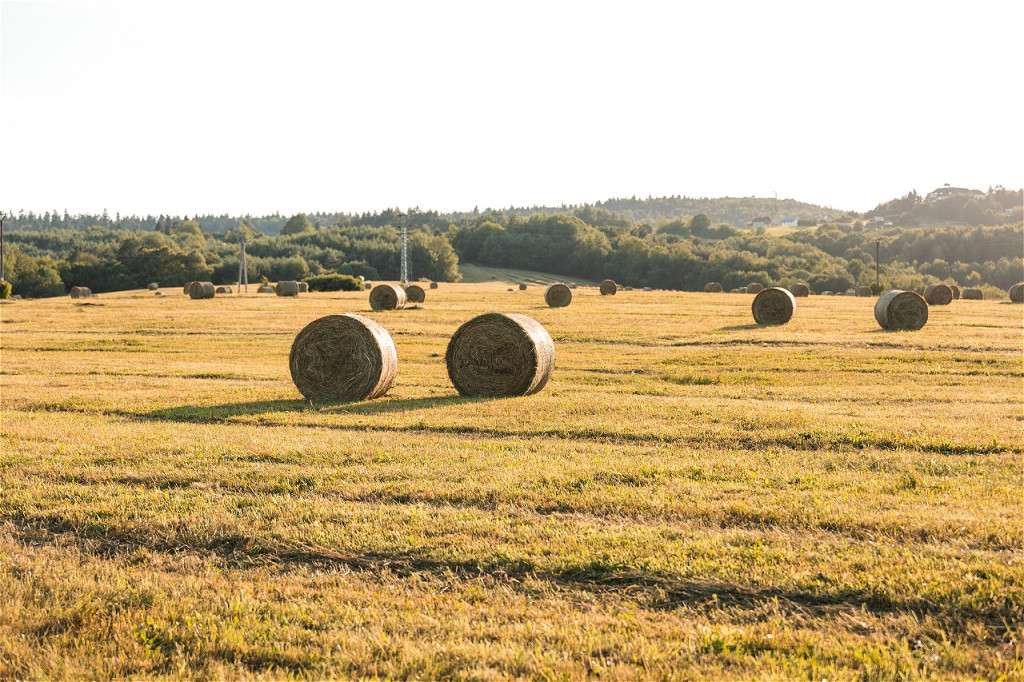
[[742, 327]]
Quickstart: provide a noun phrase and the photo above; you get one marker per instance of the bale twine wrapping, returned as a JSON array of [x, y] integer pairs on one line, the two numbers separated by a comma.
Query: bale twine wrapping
[[713, 288], [188, 285], [500, 354], [755, 288], [609, 287], [289, 287], [201, 290], [223, 290], [938, 294], [972, 294], [343, 358], [522, 286], [956, 291], [80, 292], [153, 286], [303, 287], [433, 285], [265, 289], [800, 290], [773, 305], [901, 310], [1017, 293], [558, 296], [387, 297], [863, 291], [415, 294]]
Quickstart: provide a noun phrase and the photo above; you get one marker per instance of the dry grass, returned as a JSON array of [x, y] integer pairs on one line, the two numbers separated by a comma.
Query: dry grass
[[706, 499]]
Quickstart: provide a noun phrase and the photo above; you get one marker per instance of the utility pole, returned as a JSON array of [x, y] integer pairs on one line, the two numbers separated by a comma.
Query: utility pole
[[243, 271], [405, 251], [878, 243], [2, 271]]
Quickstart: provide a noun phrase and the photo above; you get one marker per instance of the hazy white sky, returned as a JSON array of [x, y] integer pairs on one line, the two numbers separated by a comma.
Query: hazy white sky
[[254, 107]]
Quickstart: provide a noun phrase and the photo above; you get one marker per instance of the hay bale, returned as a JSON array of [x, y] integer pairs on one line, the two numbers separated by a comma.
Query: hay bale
[[850, 292], [198, 290], [608, 287], [713, 288], [433, 285], [303, 288], [558, 296], [956, 291], [627, 288], [648, 289], [755, 288], [1016, 293], [500, 354], [800, 290], [158, 293], [153, 286], [387, 297], [289, 287], [901, 310], [972, 294], [265, 289], [773, 305], [522, 286], [863, 291], [223, 290], [188, 285], [827, 293], [343, 358], [80, 292], [938, 294], [367, 286], [741, 290], [415, 294]]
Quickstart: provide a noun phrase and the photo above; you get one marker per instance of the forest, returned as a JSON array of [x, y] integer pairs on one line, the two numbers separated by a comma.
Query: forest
[[46, 255]]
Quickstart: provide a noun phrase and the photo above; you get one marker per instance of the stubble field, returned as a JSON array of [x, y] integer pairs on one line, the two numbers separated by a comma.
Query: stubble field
[[691, 496]]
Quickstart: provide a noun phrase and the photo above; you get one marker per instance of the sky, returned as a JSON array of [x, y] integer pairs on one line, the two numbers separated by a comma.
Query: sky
[[214, 107]]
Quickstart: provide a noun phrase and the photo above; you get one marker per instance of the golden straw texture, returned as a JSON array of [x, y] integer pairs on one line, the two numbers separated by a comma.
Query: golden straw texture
[[343, 358], [500, 354]]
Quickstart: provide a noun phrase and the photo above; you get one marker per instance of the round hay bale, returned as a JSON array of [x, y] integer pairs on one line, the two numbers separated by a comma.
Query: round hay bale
[[938, 294], [1017, 293], [901, 310], [956, 291], [153, 286], [433, 285], [741, 290], [627, 288], [734, 291], [343, 358], [972, 294], [608, 287], [800, 290], [500, 354], [773, 305], [522, 286], [713, 288], [158, 293], [265, 289], [188, 285], [648, 289], [827, 293], [558, 296], [303, 288], [80, 292], [850, 292], [573, 285], [289, 287], [755, 288], [199, 290], [863, 291], [415, 294], [368, 286], [387, 297], [222, 290]]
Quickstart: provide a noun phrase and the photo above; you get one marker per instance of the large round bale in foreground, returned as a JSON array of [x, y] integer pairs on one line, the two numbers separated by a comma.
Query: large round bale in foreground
[[558, 296], [972, 294], [938, 294], [713, 288], [500, 354], [265, 289], [773, 305], [414, 294], [201, 290], [800, 290], [755, 288], [287, 288], [956, 292], [863, 292], [1017, 293], [609, 287], [901, 310], [387, 297], [222, 290], [343, 358], [80, 292]]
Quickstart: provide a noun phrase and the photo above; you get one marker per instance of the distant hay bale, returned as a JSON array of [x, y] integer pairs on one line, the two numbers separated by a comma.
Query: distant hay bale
[[387, 297], [153, 286], [80, 292], [198, 290], [265, 289], [800, 290], [956, 291], [773, 305], [938, 294], [368, 286], [863, 291], [1017, 293], [522, 286], [741, 290], [223, 290], [713, 288], [558, 296], [158, 293], [648, 289], [608, 287], [901, 310], [415, 294], [850, 292], [734, 291], [573, 285], [627, 288], [303, 287], [188, 285], [826, 293], [343, 358], [500, 354], [972, 294], [433, 285], [755, 288], [289, 287]]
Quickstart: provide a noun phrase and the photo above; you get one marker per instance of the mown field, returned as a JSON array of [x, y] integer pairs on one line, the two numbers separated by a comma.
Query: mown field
[[691, 496]]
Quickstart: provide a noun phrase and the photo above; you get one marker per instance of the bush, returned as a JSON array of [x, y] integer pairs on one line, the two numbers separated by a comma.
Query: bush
[[334, 283], [5, 289]]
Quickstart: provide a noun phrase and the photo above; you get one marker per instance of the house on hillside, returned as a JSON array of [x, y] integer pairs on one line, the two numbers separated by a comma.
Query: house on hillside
[[947, 192], [790, 221], [762, 221]]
